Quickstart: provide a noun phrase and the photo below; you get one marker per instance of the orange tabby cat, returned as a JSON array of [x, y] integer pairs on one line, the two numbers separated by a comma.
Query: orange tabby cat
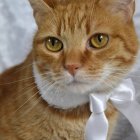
[[81, 47]]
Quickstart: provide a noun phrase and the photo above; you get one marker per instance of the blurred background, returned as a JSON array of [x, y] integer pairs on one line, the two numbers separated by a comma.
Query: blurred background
[[17, 28]]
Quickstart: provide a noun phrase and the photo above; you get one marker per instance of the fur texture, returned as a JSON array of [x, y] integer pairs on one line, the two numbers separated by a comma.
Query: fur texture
[[42, 98]]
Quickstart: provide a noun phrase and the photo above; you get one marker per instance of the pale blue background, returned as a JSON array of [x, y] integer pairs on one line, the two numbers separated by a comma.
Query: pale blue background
[[137, 17]]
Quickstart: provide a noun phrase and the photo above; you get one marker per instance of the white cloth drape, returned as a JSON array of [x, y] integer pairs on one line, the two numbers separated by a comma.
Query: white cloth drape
[[17, 27]]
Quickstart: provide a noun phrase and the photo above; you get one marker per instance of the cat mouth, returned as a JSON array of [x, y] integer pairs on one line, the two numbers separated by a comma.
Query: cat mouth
[[75, 82]]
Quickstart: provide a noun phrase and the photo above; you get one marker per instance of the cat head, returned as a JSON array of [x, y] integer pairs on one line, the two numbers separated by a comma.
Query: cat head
[[83, 46]]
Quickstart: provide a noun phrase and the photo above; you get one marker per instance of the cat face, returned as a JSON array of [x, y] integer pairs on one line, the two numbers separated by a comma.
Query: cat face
[[84, 46]]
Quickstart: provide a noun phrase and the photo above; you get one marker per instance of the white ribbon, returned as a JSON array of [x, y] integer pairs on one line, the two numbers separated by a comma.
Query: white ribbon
[[123, 98]]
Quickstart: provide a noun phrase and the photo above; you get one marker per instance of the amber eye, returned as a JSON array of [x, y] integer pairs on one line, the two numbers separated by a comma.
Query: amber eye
[[53, 44], [99, 41]]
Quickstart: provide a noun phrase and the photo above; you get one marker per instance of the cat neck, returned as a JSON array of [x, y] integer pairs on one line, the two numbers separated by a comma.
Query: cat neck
[[63, 100]]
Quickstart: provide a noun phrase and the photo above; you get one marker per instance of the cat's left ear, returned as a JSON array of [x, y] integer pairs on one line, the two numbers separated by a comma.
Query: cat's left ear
[[125, 8], [41, 6]]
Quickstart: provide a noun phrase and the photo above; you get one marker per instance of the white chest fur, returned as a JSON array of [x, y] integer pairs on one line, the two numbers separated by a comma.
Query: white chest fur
[[57, 96]]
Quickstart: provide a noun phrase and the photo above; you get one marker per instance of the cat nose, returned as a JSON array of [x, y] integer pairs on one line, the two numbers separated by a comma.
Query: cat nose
[[72, 68]]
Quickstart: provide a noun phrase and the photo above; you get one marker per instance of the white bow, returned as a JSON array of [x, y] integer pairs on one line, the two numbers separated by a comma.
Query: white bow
[[123, 98]]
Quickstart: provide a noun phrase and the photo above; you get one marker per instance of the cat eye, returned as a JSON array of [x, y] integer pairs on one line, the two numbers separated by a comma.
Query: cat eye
[[99, 41], [53, 44]]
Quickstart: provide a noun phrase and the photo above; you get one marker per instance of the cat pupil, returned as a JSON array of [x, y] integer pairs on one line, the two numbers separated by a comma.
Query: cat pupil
[[53, 41], [100, 37]]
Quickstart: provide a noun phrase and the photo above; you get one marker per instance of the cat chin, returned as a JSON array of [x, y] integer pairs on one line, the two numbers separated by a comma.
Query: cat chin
[[69, 96]]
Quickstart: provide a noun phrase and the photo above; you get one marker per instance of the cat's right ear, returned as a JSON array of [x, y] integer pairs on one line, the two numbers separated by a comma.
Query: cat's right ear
[[41, 7]]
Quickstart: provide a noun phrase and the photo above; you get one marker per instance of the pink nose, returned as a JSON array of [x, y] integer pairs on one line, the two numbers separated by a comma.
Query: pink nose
[[72, 68]]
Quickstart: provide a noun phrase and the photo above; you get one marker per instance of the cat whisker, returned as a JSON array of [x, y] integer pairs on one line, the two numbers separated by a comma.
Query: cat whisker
[[33, 106], [18, 81], [26, 101], [110, 84], [115, 76], [25, 79], [51, 85], [91, 76], [116, 69], [60, 79], [22, 68], [30, 89], [129, 76]]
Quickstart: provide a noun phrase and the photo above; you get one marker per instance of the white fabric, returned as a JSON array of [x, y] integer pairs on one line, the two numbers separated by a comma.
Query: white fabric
[[123, 98], [97, 125], [17, 28]]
